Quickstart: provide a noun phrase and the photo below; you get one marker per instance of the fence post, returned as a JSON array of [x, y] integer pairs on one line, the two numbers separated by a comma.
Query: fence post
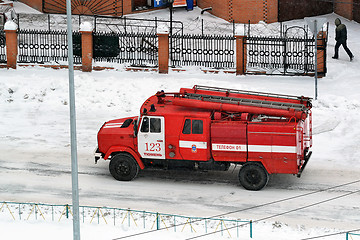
[[251, 230], [11, 43], [67, 210], [86, 30], [321, 53], [163, 48], [19, 211], [157, 221], [240, 54]]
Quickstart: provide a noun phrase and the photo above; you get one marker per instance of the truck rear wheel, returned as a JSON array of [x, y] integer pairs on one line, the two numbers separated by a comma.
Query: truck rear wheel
[[123, 167], [253, 176]]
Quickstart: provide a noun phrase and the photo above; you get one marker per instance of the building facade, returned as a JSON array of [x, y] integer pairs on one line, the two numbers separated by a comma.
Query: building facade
[[238, 11]]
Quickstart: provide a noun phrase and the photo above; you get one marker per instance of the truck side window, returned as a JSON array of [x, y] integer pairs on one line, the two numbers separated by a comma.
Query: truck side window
[[197, 126], [187, 127], [145, 125], [155, 125], [193, 126]]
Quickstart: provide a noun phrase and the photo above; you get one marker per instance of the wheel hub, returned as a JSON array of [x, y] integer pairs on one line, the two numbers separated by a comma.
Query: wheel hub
[[123, 169]]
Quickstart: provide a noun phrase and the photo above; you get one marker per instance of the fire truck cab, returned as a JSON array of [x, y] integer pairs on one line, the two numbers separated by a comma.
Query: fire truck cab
[[209, 128]]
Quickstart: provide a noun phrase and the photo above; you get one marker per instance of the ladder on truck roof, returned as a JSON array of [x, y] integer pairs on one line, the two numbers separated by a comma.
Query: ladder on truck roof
[[261, 94], [247, 102]]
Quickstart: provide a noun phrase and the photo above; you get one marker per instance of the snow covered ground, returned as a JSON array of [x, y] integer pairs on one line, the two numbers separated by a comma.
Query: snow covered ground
[[35, 159]]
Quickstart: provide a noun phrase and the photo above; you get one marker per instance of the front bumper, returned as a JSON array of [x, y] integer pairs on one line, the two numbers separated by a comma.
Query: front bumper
[[98, 155]]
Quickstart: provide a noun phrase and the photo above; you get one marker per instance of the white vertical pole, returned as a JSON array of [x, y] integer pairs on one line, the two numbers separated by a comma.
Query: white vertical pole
[[74, 164], [316, 61]]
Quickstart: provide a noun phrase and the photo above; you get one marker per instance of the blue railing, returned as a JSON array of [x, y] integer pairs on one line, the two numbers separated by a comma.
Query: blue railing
[[349, 234], [141, 219]]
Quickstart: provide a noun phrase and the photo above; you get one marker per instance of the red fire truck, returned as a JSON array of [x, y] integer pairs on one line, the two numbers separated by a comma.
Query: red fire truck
[[208, 128]]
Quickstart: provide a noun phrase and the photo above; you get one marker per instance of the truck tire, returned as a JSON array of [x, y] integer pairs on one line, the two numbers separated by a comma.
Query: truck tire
[[123, 167], [253, 176]]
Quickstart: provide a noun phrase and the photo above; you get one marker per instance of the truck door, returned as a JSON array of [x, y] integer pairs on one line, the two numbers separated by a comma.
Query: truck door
[[151, 138], [193, 142]]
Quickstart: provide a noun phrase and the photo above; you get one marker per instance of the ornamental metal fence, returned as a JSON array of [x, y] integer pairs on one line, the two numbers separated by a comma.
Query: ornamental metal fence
[[2, 47], [137, 49], [46, 46], [280, 55], [209, 51], [263, 55], [229, 228]]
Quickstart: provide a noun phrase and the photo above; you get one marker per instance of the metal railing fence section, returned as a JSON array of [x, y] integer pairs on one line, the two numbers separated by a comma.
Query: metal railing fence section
[[137, 49], [45, 46], [352, 236], [148, 221], [264, 55], [2, 47], [209, 51], [287, 56]]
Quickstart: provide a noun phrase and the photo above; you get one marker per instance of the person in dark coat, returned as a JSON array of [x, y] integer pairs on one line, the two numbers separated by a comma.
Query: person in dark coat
[[341, 37]]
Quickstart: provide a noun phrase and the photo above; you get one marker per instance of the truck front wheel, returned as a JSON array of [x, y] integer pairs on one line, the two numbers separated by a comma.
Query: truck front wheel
[[253, 176], [123, 167]]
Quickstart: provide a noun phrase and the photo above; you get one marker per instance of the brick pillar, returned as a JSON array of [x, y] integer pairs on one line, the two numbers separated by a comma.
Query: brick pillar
[[11, 48], [321, 53], [240, 54], [163, 52], [86, 30], [86, 50]]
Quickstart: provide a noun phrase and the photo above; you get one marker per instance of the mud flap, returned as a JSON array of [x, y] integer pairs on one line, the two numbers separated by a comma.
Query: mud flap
[[97, 155], [307, 157]]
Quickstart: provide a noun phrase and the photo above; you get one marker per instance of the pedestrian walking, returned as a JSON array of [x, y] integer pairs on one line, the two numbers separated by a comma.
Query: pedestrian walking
[[341, 38]]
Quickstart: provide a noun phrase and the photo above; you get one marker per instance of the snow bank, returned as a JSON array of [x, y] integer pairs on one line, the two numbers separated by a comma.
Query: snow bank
[[86, 26], [10, 25]]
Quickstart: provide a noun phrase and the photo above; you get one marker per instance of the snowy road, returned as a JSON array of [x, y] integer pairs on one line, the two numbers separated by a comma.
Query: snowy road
[[39, 176]]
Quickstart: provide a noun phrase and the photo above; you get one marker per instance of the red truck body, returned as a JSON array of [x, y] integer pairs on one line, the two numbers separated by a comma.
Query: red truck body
[[209, 128]]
